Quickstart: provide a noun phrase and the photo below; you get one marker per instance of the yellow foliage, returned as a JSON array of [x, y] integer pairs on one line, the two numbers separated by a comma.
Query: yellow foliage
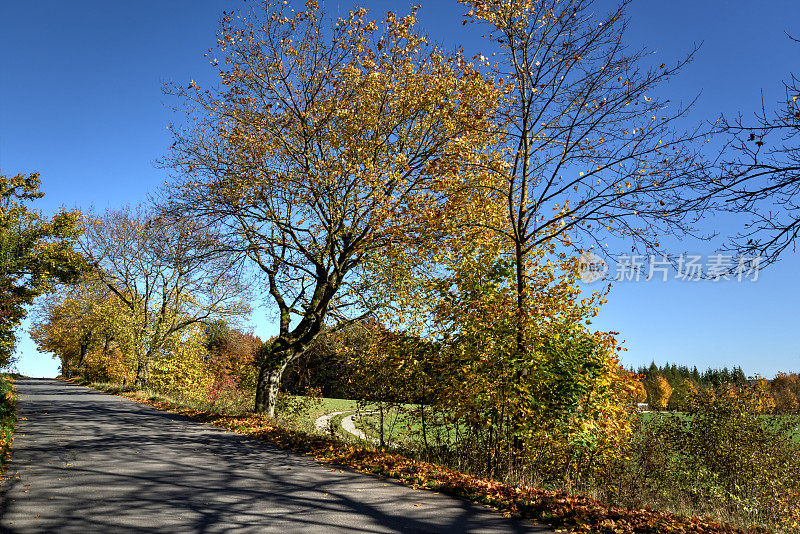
[[638, 393], [109, 366], [682, 395], [120, 367], [182, 369], [658, 392], [785, 389], [533, 385]]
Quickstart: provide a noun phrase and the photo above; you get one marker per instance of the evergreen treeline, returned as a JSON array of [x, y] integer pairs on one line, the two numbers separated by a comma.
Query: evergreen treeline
[[676, 374]]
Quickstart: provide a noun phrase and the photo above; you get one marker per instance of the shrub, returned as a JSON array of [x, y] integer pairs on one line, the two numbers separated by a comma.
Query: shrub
[[8, 414], [182, 370], [296, 407], [723, 458]]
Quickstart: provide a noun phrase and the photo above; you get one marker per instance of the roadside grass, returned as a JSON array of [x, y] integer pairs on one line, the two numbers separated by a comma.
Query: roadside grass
[[8, 414], [299, 412], [560, 509], [398, 427]]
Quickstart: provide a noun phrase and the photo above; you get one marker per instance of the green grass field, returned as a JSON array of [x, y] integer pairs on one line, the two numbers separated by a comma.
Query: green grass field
[[305, 421]]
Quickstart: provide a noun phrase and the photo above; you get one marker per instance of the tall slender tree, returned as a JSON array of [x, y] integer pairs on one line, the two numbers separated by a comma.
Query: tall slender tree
[[589, 153], [36, 253]]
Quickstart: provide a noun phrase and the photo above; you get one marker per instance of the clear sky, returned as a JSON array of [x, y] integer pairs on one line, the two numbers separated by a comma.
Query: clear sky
[[81, 102]]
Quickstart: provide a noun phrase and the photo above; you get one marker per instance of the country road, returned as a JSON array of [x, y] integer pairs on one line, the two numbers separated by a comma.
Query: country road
[[84, 461]]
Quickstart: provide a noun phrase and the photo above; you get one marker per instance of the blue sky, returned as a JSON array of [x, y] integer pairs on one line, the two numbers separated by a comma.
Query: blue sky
[[81, 102]]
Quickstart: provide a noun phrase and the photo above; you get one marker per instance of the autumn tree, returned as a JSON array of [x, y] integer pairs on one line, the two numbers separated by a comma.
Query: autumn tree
[[639, 394], [331, 147], [589, 152], [785, 389], [658, 392], [166, 276], [35, 253], [758, 392], [231, 359], [559, 407], [73, 320], [682, 395]]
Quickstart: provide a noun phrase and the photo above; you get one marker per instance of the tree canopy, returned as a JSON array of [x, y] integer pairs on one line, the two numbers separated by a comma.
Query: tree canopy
[[330, 150], [36, 253]]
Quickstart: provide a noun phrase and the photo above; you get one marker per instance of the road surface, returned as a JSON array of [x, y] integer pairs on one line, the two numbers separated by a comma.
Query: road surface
[[84, 461]]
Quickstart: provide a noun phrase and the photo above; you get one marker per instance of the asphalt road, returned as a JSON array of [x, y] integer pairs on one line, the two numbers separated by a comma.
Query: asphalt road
[[84, 461]]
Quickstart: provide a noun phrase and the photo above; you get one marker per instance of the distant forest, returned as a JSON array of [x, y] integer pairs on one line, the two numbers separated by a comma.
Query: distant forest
[[673, 386], [676, 374]]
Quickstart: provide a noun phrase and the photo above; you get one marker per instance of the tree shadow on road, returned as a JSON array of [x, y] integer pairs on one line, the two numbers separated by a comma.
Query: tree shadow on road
[[88, 462]]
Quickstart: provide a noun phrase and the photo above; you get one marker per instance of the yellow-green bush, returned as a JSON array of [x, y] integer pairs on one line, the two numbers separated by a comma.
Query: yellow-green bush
[[8, 414], [109, 366], [182, 369], [723, 458]]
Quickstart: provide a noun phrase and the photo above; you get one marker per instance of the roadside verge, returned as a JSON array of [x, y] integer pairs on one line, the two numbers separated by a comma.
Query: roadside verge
[[8, 415], [559, 509]]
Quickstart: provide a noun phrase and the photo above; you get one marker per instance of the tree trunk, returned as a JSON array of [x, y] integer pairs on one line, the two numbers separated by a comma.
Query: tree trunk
[[522, 350], [521, 299], [268, 384], [382, 440], [424, 429], [142, 372], [82, 356]]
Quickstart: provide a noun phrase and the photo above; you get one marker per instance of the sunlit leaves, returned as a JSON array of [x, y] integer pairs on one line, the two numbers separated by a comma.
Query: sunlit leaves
[[336, 151], [35, 253]]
